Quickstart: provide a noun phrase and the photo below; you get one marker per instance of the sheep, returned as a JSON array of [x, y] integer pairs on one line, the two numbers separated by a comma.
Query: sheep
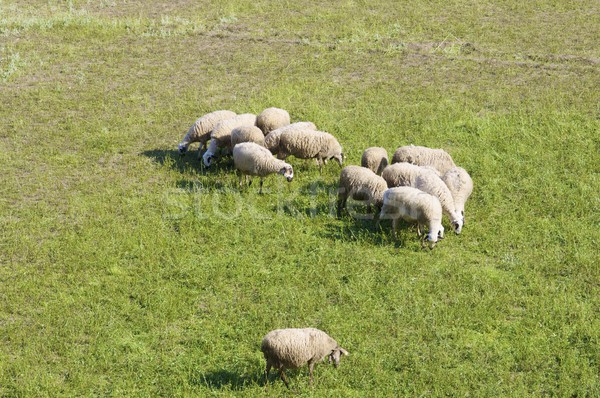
[[427, 180], [272, 139], [200, 130], [413, 205], [360, 183], [404, 174], [307, 144], [220, 137], [460, 184], [423, 156], [271, 119], [374, 158], [247, 134], [293, 348], [252, 159]]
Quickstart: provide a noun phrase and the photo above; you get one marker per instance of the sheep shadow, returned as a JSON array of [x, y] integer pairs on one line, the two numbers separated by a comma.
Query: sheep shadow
[[224, 378], [186, 162], [361, 227]]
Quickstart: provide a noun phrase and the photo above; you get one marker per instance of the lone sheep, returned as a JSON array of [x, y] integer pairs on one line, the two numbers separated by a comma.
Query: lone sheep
[[374, 158], [271, 119], [423, 156], [200, 130], [413, 205], [293, 348], [252, 159]]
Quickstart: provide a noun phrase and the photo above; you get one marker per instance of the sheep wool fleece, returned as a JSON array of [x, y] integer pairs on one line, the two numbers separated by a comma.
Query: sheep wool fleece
[[293, 348]]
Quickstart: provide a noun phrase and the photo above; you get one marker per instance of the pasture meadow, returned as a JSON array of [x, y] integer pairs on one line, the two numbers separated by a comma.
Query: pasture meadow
[[127, 270]]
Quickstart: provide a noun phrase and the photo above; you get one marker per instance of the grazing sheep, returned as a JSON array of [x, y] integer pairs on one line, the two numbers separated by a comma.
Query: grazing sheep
[[200, 130], [423, 156], [374, 158], [460, 184], [272, 139], [247, 134], [426, 179], [252, 159], [404, 174], [413, 205], [360, 183], [293, 348], [308, 144], [220, 137], [271, 119]]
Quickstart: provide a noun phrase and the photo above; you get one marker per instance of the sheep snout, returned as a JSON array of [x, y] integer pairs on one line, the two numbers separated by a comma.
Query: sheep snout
[[457, 227], [208, 159], [335, 356], [288, 173]]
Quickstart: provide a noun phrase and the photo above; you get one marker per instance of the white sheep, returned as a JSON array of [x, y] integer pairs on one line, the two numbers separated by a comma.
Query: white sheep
[[426, 179], [401, 174], [413, 205], [460, 184], [247, 134], [220, 136], [271, 119], [360, 183], [272, 139], [200, 130], [252, 159], [294, 348], [308, 144], [423, 156], [374, 158]]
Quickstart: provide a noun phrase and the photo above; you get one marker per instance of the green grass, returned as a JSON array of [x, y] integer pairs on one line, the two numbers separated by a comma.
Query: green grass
[[127, 270]]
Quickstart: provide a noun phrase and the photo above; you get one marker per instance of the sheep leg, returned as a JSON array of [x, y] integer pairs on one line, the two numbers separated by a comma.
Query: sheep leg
[[261, 184], [376, 216], [282, 376], [419, 233], [267, 370], [395, 227], [201, 149], [320, 164], [341, 204], [310, 373]]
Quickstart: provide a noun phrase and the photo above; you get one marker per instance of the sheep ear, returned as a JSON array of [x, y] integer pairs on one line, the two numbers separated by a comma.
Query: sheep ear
[[344, 352]]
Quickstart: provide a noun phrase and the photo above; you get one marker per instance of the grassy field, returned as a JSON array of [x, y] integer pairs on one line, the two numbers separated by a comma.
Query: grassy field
[[127, 270]]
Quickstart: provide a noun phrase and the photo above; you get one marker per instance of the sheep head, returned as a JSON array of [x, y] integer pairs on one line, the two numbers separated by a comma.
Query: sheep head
[[336, 354], [182, 149], [287, 172]]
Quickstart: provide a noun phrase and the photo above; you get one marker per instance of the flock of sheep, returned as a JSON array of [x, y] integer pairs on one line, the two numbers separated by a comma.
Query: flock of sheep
[[418, 186]]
